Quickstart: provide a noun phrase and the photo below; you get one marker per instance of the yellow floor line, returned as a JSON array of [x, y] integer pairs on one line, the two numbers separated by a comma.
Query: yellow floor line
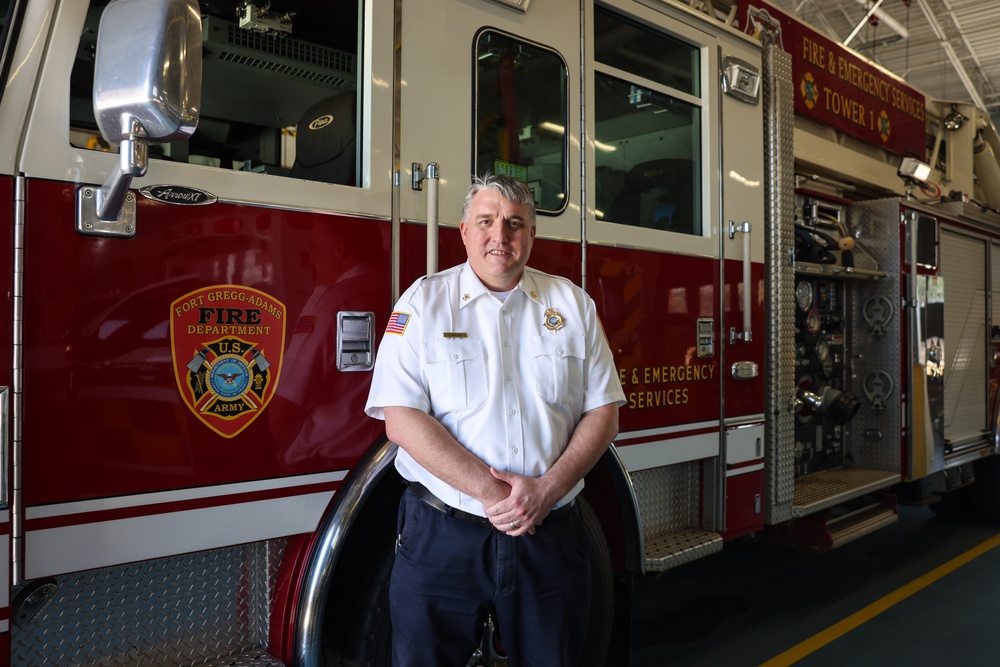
[[840, 629]]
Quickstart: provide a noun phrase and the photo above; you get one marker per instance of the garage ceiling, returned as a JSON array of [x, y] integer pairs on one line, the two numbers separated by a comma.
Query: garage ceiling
[[949, 49]]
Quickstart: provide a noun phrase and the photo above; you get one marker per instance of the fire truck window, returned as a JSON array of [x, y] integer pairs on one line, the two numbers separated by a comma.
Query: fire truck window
[[6, 18], [279, 90], [927, 242], [630, 47], [521, 116], [647, 128]]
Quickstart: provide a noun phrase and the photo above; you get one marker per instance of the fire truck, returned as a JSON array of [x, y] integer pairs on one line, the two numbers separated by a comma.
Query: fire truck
[[211, 209]]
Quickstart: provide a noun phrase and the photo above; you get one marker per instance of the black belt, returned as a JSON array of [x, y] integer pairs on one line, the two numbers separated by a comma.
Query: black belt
[[429, 498]]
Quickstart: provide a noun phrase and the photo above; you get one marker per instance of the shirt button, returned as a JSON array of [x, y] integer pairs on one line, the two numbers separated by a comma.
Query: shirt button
[[507, 378], [515, 450], [560, 353], [513, 411], [454, 356], [506, 344]]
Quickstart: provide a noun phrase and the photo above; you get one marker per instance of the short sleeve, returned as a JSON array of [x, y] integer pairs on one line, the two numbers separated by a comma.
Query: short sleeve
[[397, 378], [603, 385]]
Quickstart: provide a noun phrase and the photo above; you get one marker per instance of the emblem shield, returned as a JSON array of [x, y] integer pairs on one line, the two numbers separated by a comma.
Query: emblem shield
[[227, 343]]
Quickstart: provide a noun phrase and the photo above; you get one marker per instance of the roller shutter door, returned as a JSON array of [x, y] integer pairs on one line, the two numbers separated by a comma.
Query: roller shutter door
[[963, 266]]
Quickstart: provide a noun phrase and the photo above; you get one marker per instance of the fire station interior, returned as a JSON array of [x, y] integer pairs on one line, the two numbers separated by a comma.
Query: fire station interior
[[281, 96]]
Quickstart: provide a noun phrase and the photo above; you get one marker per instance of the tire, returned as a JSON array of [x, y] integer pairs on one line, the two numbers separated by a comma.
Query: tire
[[957, 504], [985, 492], [602, 592], [368, 642], [356, 628]]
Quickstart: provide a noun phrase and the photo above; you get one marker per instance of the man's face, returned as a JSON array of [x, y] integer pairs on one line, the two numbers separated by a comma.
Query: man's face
[[497, 235]]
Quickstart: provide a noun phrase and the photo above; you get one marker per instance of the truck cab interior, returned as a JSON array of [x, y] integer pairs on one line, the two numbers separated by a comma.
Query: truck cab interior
[[279, 90]]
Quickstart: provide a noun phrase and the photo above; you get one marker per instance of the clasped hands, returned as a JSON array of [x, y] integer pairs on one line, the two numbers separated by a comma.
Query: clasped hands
[[524, 508]]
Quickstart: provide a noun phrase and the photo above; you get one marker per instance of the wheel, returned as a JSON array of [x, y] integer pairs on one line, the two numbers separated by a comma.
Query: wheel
[[957, 504], [602, 592], [368, 640], [356, 628], [985, 493]]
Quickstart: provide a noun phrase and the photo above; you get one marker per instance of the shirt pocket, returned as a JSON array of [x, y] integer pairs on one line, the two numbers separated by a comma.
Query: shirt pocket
[[456, 374], [558, 365]]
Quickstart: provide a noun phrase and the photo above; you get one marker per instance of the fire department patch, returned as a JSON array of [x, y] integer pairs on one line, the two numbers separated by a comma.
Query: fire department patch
[[227, 343]]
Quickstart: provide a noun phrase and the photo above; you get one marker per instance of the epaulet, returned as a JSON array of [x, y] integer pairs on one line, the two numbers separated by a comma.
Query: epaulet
[[440, 276], [551, 276]]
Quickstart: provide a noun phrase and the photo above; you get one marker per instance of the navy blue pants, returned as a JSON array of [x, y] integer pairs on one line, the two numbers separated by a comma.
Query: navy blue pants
[[450, 573]]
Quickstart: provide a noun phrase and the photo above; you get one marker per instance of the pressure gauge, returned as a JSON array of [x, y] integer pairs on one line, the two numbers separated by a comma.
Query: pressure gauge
[[804, 295], [814, 323]]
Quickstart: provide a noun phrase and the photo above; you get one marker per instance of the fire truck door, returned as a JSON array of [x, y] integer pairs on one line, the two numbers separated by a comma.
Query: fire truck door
[[677, 177], [9, 210], [675, 157], [485, 87], [742, 183]]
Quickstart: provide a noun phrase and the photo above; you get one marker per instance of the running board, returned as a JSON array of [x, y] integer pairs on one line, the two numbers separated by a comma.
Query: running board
[[673, 549], [821, 532], [851, 526], [252, 658]]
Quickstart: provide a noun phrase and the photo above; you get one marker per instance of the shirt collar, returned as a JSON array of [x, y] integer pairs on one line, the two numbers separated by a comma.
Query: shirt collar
[[470, 287], [529, 286]]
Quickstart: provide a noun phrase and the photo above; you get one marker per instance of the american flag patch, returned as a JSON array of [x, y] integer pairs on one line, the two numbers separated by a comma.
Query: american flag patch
[[397, 323], [305, 324]]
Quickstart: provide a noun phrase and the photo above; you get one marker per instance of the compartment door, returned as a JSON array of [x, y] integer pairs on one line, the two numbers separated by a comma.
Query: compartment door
[[9, 210], [742, 186], [963, 265]]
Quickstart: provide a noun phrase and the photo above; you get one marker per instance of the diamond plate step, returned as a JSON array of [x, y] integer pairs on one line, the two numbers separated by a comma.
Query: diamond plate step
[[673, 549], [205, 608], [828, 488]]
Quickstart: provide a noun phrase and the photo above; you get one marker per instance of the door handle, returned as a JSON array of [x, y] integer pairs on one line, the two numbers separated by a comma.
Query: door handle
[[746, 335], [431, 177]]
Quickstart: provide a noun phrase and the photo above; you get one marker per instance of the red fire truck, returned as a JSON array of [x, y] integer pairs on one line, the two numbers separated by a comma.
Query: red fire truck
[[212, 208]]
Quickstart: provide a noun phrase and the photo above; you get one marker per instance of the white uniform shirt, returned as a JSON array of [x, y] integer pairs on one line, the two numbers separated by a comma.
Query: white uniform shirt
[[505, 385]]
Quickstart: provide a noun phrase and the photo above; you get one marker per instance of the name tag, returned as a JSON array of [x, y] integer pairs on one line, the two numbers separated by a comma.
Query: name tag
[[455, 334]]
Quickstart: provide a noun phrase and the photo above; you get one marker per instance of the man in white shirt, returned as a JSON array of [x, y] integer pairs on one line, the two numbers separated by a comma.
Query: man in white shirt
[[497, 383]]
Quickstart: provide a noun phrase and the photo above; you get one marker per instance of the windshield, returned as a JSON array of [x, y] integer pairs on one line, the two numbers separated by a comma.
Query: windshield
[[6, 40]]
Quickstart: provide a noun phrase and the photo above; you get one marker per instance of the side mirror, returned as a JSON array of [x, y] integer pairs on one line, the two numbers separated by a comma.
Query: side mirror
[[148, 70], [147, 89]]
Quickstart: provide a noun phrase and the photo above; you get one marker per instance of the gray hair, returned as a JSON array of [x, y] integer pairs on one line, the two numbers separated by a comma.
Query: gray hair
[[512, 190]]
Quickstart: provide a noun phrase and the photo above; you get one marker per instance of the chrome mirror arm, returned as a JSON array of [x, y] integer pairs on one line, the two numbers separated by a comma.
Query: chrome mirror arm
[[133, 161]]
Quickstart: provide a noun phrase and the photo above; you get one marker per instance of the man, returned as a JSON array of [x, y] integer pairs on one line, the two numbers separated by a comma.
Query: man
[[498, 385]]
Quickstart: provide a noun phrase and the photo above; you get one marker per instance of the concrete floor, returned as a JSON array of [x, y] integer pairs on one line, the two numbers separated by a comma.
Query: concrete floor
[[895, 597]]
